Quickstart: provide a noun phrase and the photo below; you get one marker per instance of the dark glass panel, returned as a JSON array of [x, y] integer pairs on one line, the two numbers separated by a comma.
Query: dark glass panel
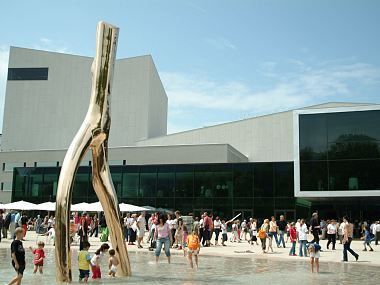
[[243, 180], [203, 181], [312, 137], [354, 175], [263, 208], [166, 203], [354, 126], [222, 181], [222, 207], [20, 183], [313, 176], [184, 205], [284, 179], [184, 181], [243, 203], [284, 204], [117, 179], [148, 181], [131, 178], [165, 181], [263, 179], [354, 148], [40, 73], [82, 184]]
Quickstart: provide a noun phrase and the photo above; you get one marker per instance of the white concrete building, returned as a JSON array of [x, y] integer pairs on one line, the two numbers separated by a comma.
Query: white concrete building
[[322, 148]]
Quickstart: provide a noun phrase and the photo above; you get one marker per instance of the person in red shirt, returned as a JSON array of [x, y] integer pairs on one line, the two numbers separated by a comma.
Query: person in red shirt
[[293, 239], [39, 255]]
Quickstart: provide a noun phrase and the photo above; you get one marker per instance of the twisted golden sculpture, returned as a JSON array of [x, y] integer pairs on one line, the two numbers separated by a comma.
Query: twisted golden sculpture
[[93, 133]]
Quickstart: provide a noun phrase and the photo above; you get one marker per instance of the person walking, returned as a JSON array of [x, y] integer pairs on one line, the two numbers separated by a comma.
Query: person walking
[[293, 239], [331, 234], [368, 237], [163, 236], [282, 224], [315, 228], [141, 226], [272, 232], [217, 229], [302, 238], [263, 234], [348, 232], [377, 228]]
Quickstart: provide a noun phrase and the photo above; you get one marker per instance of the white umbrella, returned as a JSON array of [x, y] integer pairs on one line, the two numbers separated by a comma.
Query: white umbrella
[[80, 207], [1, 206], [131, 208], [95, 207], [47, 206], [19, 205]]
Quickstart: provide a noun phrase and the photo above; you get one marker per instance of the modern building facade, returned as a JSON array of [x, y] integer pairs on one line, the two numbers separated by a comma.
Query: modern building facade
[[324, 157]]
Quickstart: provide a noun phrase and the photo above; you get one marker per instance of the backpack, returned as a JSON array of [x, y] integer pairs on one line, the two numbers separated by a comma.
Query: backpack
[[7, 221], [262, 233]]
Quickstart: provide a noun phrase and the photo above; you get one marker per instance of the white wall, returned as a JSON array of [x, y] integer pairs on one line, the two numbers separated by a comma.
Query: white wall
[[266, 138], [46, 114]]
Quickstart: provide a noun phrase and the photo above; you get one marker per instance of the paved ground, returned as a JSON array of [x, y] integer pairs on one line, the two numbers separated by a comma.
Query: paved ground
[[240, 250]]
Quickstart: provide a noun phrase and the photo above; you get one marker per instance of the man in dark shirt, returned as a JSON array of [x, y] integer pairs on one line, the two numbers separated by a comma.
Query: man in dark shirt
[[315, 227], [18, 256], [282, 224]]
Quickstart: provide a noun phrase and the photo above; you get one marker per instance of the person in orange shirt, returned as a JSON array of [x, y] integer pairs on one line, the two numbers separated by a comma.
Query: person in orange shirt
[[194, 246]]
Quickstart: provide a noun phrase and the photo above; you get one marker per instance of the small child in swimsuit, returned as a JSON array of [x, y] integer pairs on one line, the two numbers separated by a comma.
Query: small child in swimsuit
[[113, 262], [39, 256]]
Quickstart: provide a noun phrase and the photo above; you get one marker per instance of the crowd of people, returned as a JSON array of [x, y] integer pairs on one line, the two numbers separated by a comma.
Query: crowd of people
[[166, 231]]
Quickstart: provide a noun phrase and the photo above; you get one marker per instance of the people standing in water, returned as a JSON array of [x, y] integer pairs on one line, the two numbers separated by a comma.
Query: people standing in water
[[113, 262], [18, 256], [141, 226], [314, 252], [194, 246], [96, 259], [163, 237], [39, 255], [84, 261], [348, 231]]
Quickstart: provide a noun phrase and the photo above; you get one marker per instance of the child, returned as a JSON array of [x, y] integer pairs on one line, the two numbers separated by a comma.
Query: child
[[113, 262], [314, 251], [194, 247], [224, 232], [293, 239], [39, 255], [18, 256], [184, 240], [84, 259], [95, 261], [368, 237]]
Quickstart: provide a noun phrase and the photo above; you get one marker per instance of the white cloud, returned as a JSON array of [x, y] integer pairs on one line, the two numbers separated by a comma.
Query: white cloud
[[221, 43], [50, 45], [306, 86]]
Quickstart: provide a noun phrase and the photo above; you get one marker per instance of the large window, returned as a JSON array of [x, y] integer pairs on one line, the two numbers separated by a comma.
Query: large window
[[36, 73], [339, 151], [223, 188]]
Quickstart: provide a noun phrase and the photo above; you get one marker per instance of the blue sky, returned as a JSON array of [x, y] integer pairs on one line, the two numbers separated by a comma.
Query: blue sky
[[219, 60]]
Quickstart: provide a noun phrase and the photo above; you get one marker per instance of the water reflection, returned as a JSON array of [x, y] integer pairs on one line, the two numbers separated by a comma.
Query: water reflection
[[213, 270]]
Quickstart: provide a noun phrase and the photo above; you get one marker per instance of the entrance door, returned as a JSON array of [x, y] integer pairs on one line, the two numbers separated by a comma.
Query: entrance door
[[246, 214], [290, 215]]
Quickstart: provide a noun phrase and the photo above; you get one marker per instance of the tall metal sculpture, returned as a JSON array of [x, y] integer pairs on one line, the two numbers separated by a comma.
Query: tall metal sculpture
[[93, 134]]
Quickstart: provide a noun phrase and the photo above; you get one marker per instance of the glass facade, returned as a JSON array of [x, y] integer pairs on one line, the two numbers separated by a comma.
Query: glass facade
[[340, 151], [258, 189], [36, 73]]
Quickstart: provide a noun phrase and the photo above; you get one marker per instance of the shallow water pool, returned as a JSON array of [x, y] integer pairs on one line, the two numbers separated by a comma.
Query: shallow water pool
[[212, 270]]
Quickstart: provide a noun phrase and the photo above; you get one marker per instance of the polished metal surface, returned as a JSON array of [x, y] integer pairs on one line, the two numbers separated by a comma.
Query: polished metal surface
[[93, 133]]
